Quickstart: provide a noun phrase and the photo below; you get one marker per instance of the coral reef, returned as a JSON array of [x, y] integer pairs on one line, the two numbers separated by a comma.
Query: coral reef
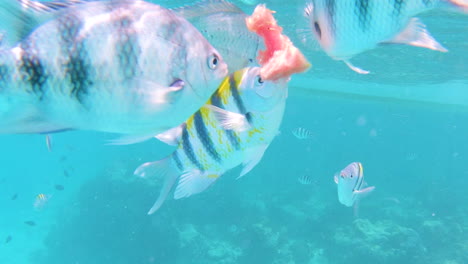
[[379, 242]]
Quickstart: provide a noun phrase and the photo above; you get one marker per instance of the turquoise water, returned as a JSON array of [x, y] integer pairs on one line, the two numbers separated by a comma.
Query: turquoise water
[[407, 123]]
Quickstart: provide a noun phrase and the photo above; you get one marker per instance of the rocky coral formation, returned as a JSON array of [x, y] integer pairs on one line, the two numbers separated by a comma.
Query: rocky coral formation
[[379, 242]]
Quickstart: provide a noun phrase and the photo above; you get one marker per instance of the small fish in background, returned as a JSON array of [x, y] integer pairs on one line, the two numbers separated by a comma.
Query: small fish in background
[[48, 139], [59, 187], [30, 223], [66, 174], [411, 156], [8, 239], [344, 29], [351, 185], [302, 133], [14, 196], [41, 200], [305, 179]]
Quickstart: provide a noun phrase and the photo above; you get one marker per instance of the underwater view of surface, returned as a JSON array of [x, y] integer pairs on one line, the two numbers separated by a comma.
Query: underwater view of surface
[[72, 198]]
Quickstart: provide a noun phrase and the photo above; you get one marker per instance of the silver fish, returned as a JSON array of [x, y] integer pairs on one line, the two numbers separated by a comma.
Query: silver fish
[[302, 133], [127, 67], [344, 29], [351, 184], [235, 127], [223, 25], [305, 179]]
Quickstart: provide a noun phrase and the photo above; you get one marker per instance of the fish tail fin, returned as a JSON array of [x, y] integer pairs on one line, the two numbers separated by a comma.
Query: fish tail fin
[[161, 168], [459, 6]]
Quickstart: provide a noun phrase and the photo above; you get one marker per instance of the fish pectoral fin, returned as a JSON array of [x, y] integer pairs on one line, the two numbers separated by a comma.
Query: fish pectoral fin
[[364, 192], [354, 68], [129, 139], [252, 158], [171, 136], [161, 168], [193, 182], [157, 94], [416, 34], [230, 120]]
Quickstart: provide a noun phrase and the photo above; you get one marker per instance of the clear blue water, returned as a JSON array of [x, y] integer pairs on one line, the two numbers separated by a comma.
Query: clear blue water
[[407, 123]]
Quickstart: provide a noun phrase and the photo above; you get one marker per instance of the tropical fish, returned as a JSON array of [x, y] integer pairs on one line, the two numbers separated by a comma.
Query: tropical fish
[[281, 58], [302, 133], [8, 239], [235, 127], [59, 187], [351, 184], [344, 29], [30, 223], [14, 196], [305, 179], [48, 139], [223, 24], [125, 66], [41, 200]]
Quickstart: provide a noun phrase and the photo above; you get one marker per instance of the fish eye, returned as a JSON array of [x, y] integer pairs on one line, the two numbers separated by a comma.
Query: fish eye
[[213, 61], [259, 80], [317, 29]]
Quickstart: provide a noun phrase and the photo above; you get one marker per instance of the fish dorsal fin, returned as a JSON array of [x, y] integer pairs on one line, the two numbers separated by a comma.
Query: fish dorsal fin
[[129, 139], [252, 158], [49, 7], [21, 17], [171, 136], [205, 8], [416, 34], [193, 182]]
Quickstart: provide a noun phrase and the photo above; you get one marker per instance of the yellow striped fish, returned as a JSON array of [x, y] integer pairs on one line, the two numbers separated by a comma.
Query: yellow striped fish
[[235, 127], [41, 200]]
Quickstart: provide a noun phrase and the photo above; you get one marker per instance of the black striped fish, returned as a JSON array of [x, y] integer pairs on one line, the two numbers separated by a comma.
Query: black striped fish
[[346, 28], [351, 184], [302, 133], [124, 66], [235, 127]]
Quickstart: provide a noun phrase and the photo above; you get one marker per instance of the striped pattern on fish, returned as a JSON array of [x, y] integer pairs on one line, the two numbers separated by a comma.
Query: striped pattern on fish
[[351, 184], [344, 29], [206, 149], [115, 66]]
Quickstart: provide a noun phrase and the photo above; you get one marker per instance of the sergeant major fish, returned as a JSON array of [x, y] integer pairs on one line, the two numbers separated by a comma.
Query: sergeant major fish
[[235, 127], [351, 184], [124, 66], [346, 28]]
